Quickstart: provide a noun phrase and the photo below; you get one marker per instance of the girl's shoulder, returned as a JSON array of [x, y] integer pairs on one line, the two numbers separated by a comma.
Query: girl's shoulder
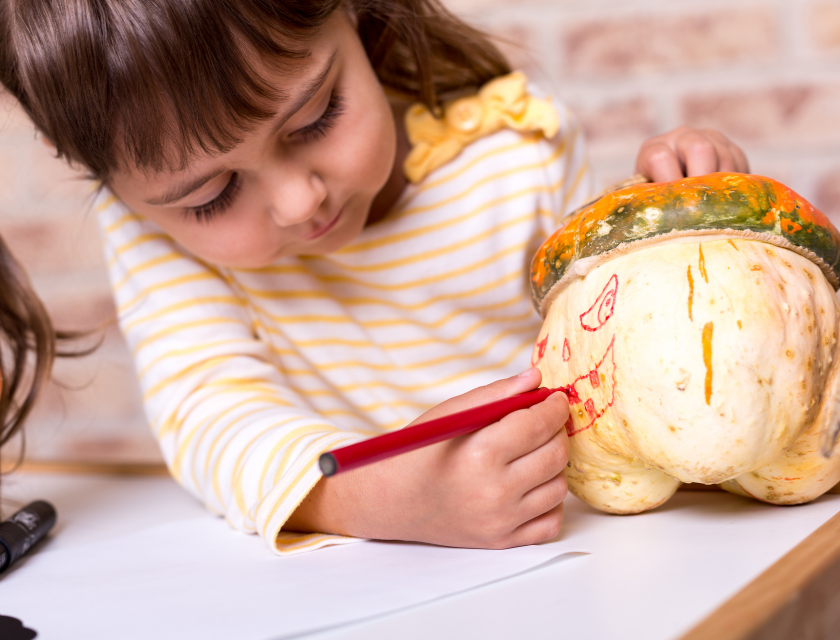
[[116, 221], [508, 103]]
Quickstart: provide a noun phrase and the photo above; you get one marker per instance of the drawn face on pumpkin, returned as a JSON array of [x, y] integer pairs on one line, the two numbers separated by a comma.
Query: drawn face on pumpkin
[[591, 392]]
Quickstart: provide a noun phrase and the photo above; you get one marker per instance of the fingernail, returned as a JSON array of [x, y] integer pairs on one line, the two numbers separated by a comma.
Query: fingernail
[[525, 373]]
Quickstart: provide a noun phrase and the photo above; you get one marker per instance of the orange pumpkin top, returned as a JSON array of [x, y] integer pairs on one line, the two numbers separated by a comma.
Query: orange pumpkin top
[[719, 204]]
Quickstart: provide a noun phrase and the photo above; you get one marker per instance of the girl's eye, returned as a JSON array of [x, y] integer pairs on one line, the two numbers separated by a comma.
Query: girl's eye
[[219, 204], [314, 131], [319, 128]]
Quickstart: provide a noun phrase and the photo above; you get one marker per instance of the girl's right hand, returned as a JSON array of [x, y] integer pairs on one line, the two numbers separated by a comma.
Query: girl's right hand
[[502, 486]]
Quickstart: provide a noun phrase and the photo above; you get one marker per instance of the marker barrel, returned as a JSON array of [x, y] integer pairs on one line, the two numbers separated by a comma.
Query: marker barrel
[[426, 433], [26, 527]]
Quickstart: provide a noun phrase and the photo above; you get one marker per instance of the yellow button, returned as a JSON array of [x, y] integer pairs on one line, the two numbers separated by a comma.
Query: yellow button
[[465, 114]]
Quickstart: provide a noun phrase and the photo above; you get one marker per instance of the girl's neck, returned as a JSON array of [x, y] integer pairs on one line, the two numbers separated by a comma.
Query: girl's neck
[[390, 193]]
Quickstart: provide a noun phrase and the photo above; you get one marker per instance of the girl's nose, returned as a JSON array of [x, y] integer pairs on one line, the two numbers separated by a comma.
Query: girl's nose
[[296, 198]]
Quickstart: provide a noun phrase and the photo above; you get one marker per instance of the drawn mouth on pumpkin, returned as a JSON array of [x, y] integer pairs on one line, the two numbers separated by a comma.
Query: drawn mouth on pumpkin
[[591, 394]]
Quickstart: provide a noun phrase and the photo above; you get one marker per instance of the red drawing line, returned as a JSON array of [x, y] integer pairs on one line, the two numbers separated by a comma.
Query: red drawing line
[[540, 351], [602, 309], [592, 377]]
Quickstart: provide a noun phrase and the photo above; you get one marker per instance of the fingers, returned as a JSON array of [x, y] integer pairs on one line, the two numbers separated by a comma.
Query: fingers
[[689, 152], [658, 161], [541, 465], [544, 497], [742, 165], [698, 153], [523, 432], [535, 518], [540, 529], [712, 147]]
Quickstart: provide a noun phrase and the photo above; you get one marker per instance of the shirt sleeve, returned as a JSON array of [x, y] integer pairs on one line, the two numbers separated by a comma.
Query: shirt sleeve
[[232, 433]]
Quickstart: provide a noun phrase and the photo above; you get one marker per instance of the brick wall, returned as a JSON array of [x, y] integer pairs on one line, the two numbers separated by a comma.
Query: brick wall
[[765, 72], [92, 410]]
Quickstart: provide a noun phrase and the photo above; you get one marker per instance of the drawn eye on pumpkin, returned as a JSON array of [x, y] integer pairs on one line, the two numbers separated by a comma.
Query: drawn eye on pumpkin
[[567, 352], [602, 309]]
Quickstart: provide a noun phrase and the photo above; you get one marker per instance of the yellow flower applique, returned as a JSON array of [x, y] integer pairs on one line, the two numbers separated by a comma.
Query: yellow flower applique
[[502, 102]]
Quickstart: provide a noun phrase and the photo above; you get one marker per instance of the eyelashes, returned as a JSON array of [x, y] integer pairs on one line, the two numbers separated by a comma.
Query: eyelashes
[[219, 204], [310, 133], [319, 128]]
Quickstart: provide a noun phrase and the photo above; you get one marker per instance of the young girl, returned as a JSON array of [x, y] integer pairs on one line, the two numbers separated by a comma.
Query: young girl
[[285, 290]]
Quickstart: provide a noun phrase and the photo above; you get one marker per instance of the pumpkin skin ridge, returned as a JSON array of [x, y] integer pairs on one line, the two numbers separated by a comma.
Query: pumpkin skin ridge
[[582, 267], [803, 472], [715, 203]]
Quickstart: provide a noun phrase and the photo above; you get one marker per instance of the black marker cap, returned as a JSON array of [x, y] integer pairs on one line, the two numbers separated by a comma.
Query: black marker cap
[[24, 529], [328, 464]]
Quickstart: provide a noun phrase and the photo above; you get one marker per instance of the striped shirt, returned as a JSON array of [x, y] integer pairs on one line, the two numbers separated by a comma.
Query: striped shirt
[[249, 375]]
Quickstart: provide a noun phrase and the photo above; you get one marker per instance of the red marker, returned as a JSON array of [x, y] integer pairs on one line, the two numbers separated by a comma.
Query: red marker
[[422, 435]]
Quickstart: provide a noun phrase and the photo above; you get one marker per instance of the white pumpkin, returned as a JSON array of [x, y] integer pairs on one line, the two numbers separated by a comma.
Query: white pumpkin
[[693, 352]]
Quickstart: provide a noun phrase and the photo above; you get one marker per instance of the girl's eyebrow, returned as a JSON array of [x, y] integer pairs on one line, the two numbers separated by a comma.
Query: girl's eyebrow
[[311, 88], [308, 93]]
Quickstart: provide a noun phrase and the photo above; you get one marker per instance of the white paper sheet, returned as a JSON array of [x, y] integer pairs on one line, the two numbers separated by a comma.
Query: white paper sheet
[[161, 582], [648, 577]]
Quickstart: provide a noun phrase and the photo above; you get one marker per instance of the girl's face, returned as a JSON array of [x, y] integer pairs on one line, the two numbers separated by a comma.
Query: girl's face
[[301, 183]]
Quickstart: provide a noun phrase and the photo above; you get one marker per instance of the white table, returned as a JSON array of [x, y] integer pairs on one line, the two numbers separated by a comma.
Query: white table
[[650, 577]]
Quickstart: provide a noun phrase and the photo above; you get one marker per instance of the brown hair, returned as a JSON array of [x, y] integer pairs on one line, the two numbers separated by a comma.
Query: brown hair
[[106, 80], [27, 346]]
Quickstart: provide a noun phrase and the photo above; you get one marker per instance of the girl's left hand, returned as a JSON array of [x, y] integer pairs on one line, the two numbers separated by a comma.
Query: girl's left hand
[[689, 152]]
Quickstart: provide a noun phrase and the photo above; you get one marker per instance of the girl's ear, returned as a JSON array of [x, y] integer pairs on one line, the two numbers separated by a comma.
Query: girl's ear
[[47, 142]]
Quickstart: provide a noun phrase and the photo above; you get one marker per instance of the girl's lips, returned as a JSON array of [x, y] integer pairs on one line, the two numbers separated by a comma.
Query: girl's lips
[[327, 227]]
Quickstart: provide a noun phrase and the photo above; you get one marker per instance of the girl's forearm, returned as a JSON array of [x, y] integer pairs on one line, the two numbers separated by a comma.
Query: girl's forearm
[[335, 505]]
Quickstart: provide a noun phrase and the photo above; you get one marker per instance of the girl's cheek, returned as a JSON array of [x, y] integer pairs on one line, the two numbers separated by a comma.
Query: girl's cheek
[[360, 156], [375, 145], [231, 239]]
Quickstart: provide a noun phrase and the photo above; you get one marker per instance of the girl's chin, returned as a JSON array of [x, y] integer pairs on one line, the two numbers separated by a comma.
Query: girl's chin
[[346, 229], [329, 244], [341, 232]]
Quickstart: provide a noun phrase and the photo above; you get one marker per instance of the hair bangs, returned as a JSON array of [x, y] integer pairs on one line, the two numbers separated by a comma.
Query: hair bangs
[[151, 83], [131, 81]]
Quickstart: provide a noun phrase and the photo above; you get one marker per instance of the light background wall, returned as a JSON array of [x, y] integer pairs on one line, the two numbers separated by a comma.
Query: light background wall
[[765, 72]]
